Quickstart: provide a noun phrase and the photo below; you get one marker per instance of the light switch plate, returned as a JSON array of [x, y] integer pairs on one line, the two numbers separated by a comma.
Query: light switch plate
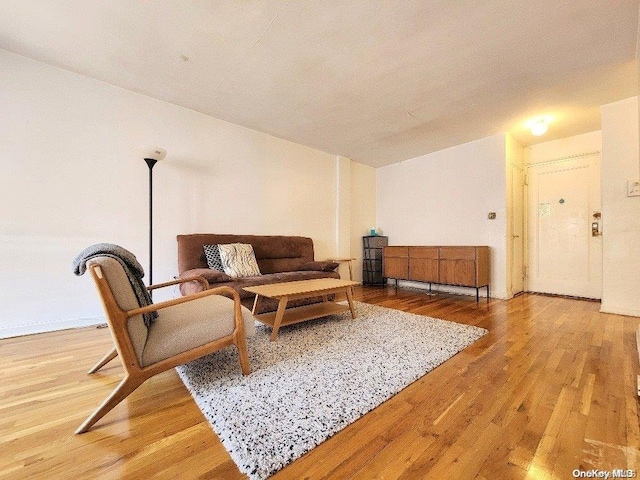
[[633, 187]]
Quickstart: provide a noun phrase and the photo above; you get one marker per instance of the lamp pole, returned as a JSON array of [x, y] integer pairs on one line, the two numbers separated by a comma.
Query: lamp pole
[[151, 155], [150, 163]]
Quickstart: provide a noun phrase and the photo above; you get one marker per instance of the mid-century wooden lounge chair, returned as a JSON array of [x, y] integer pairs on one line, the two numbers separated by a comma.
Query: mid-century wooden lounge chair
[[186, 328]]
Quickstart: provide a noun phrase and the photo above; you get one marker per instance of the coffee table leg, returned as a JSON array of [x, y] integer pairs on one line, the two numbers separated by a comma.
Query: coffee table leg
[[350, 300], [282, 306], [256, 304]]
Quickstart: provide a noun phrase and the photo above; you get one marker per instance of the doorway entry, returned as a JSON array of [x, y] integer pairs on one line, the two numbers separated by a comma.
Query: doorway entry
[[564, 227]]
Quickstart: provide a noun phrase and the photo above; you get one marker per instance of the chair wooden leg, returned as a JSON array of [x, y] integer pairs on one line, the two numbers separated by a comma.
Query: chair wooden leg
[[106, 359], [124, 388], [241, 343]]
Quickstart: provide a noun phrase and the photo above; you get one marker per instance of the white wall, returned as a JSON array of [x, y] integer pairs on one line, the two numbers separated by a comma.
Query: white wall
[[620, 214], [71, 177], [443, 199], [363, 211]]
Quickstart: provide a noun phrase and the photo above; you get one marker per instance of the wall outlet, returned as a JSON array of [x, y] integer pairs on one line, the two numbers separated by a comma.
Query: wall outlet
[[633, 187]]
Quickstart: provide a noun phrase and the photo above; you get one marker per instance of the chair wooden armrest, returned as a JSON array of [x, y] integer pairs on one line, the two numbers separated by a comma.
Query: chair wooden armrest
[[224, 290], [200, 279]]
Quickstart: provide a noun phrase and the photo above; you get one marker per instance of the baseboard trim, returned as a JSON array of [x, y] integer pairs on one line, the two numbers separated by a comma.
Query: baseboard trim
[[628, 312], [42, 327]]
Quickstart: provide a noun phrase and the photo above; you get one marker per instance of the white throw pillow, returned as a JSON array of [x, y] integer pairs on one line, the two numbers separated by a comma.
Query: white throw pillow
[[238, 260]]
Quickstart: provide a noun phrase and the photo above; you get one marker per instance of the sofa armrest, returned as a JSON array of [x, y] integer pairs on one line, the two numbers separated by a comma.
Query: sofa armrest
[[319, 266], [212, 276]]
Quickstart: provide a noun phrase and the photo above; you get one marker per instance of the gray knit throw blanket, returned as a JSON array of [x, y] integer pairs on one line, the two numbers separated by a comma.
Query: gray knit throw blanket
[[131, 266]]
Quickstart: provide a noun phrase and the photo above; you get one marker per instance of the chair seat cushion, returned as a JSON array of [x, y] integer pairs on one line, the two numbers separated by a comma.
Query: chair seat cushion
[[189, 325]]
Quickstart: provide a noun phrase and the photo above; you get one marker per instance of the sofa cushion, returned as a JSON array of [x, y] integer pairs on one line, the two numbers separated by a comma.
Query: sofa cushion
[[212, 253], [319, 266], [238, 260]]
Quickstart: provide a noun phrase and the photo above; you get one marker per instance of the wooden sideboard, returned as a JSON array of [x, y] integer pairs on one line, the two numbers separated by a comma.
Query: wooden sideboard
[[459, 266]]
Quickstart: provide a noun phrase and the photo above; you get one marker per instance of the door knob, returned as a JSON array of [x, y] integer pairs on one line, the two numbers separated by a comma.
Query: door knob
[[516, 236], [595, 229]]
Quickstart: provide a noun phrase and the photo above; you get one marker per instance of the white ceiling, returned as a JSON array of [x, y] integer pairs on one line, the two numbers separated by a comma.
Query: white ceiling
[[378, 81]]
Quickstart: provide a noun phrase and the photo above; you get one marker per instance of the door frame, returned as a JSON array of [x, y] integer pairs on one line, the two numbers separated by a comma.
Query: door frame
[[515, 269]]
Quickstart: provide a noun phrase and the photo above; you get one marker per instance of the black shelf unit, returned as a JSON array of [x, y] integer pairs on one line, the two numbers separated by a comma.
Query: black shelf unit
[[372, 259]]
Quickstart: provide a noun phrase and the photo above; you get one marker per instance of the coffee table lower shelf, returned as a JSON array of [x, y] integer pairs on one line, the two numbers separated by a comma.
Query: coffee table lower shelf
[[302, 314]]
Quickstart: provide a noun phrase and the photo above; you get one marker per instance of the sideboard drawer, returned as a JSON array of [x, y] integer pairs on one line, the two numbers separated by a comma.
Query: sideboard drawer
[[457, 253], [423, 252], [396, 252]]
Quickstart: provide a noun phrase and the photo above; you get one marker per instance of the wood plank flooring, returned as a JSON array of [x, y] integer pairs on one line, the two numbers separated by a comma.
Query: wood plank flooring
[[549, 390]]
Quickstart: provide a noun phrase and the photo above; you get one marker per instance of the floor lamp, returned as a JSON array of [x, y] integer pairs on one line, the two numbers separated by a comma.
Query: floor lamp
[[151, 155]]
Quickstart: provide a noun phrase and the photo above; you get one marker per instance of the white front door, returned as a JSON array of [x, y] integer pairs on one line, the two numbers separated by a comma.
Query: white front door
[[564, 205]]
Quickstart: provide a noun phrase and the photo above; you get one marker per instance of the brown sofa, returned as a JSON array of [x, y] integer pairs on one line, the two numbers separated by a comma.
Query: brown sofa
[[280, 259]]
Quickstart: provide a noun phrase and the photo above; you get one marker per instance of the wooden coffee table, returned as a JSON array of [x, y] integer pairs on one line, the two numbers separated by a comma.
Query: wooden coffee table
[[283, 292]]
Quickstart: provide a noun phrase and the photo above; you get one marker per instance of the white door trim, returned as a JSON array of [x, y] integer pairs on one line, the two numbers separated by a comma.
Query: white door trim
[[518, 269], [563, 159]]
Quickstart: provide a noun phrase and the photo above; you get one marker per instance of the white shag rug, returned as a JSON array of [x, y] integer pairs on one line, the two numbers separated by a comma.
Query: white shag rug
[[315, 379]]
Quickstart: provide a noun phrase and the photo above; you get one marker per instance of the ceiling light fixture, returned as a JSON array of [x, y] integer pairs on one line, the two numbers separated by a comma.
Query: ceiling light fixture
[[539, 125]]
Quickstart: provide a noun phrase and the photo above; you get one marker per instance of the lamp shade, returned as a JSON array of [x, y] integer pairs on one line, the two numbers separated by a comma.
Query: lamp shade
[[151, 152]]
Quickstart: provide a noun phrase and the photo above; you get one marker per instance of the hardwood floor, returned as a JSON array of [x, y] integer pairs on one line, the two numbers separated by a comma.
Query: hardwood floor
[[549, 390]]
